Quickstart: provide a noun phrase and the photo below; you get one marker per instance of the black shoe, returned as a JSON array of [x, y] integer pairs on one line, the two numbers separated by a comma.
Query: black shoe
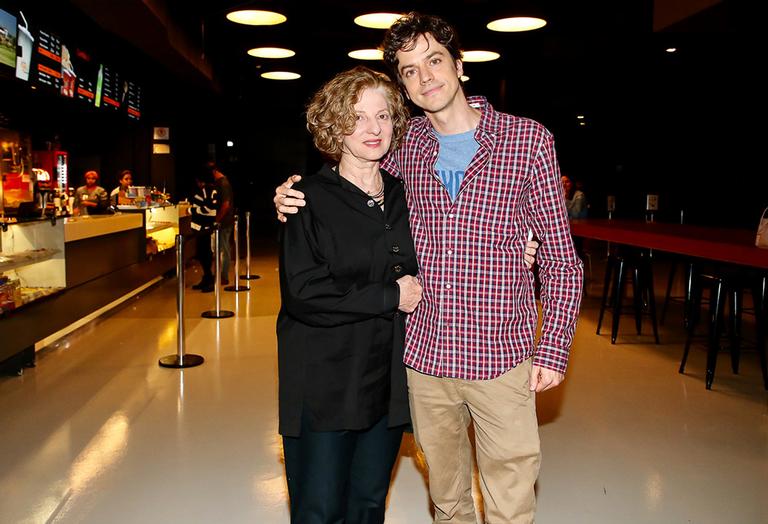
[[205, 282], [207, 289], [224, 281]]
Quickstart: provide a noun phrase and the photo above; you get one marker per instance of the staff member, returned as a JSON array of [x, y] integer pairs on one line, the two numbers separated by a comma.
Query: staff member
[[91, 199], [119, 195]]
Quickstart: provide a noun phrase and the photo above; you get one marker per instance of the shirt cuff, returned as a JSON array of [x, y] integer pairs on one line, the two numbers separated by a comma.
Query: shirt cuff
[[392, 297]]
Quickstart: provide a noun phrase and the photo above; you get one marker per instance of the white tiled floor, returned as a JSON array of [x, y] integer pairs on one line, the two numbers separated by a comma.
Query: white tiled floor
[[99, 433]]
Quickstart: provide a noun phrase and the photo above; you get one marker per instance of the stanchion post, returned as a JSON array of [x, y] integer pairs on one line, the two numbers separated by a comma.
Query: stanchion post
[[180, 359], [237, 286], [218, 312], [248, 275]]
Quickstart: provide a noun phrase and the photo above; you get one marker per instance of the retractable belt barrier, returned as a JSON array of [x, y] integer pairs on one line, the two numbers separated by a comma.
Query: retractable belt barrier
[[180, 359]]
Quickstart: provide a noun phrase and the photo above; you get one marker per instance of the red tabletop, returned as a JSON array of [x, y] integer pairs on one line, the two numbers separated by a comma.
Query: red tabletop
[[736, 246]]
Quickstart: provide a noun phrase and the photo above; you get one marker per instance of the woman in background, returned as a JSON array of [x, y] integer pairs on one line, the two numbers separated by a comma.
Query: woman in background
[[119, 195], [91, 199]]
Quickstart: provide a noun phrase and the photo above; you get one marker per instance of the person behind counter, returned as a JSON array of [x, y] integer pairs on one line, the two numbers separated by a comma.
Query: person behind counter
[[91, 199], [119, 195]]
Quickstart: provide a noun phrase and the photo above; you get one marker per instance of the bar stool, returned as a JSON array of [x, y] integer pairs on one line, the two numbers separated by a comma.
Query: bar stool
[[725, 286], [688, 266], [619, 266]]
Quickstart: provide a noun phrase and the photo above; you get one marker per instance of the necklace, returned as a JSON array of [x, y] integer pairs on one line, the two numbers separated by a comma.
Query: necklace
[[376, 194]]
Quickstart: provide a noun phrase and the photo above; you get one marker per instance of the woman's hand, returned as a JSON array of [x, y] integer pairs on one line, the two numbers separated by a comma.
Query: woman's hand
[[410, 293], [288, 201], [530, 253]]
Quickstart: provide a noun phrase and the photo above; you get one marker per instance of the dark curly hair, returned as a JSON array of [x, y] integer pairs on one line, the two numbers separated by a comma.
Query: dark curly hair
[[404, 33], [331, 112]]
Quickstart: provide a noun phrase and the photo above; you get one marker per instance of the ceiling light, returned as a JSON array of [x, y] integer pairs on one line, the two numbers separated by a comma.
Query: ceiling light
[[366, 54], [464, 78], [580, 117], [271, 52], [516, 24], [230, 143], [479, 56], [582, 123], [280, 75], [378, 20], [253, 17], [671, 49]]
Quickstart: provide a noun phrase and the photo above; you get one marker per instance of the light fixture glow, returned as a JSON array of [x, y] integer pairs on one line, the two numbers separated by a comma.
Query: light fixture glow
[[377, 20], [479, 56], [671, 49], [582, 123], [464, 78], [580, 117], [516, 24], [254, 17], [366, 54], [280, 75], [230, 143], [271, 52]]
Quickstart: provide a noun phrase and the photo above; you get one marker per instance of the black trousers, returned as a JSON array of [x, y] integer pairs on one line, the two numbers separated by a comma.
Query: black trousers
[[204, 255], [337, 477]]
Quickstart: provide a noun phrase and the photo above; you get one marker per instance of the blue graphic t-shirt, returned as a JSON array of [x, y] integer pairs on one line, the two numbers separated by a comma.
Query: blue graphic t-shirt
[[456, 152]]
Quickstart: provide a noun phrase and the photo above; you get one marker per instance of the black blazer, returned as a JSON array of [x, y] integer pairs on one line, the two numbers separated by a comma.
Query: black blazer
[[340, 337]]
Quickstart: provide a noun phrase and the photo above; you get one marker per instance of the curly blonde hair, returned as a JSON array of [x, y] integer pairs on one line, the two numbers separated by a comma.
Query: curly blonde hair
[[331, 112]]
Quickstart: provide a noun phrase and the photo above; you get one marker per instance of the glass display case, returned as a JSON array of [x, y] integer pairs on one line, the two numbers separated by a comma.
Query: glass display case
[[32, 263]]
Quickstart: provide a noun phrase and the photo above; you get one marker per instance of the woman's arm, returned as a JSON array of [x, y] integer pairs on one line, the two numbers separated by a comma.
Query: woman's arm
[[313, 294]]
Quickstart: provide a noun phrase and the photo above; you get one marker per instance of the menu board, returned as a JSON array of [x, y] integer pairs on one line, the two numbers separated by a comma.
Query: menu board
[[7, 39], [110, 88], [48, 60], [133, 100], [87, 74], [57, 65]]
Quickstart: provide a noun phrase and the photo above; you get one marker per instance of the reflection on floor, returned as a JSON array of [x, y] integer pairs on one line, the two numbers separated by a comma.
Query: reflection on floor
[[98, 433]]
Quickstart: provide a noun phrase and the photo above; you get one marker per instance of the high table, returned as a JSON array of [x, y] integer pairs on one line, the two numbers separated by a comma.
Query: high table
[[735, 246]]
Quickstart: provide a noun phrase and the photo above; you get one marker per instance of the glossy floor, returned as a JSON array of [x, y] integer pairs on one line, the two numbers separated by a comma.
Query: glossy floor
[[99, 433]]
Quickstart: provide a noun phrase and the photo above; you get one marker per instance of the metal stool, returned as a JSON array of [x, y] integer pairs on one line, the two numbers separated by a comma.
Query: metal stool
[[616, 271], [724, 286]]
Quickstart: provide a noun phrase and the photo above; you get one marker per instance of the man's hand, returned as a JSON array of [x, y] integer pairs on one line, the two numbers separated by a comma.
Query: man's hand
[[530, 253], [410, 293], [288, 201], [543, 379]]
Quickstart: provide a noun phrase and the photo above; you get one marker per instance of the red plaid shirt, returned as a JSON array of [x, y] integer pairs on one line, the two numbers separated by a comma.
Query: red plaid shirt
[[478, 316]]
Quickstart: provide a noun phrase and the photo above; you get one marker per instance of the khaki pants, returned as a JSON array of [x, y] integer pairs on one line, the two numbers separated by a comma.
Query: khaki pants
[[503, 412]]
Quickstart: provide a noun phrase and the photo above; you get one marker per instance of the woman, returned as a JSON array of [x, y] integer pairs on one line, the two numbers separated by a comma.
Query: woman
[[575, 200], [91, 199], [347, 270], [119, 195]]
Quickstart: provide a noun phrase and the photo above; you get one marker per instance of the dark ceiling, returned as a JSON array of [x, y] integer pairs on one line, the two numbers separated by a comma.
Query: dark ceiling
[[585, 47]]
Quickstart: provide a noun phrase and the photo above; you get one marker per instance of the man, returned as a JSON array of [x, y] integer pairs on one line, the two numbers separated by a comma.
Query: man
[[203, 211], [225, 216], [477, 182]]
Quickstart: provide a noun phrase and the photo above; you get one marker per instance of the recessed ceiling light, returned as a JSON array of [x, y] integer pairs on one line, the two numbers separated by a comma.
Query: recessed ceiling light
[[582, 123], [366, 54], [479, 56], [230, 143], [271, 52], [253, 17], [280, 75], [464, 78], [378, 20], [516, 24], [671, 49], [580, 117]]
